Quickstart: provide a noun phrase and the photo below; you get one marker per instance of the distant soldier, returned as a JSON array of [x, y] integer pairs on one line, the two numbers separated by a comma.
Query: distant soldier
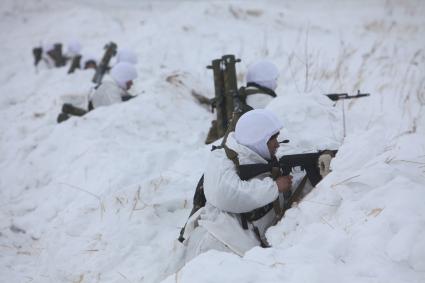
[[261, 84], [49, 56], [86, 61], [113, 89]]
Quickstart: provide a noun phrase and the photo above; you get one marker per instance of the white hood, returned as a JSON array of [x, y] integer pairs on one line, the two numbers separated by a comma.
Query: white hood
[[48, 47], [74, 47], [108, 93], [263, 73], [255, 128], [127, 55], [122, 73]]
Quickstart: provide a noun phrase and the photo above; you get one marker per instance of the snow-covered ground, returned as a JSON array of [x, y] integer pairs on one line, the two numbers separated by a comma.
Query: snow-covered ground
[[102, 198]]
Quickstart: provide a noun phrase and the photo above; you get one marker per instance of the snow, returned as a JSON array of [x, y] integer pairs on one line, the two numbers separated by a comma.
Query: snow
[[102, 198]]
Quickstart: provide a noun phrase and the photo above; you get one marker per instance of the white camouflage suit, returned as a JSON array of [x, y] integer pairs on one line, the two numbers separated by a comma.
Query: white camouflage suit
[[217, 225], [113, 88], [265, 74]]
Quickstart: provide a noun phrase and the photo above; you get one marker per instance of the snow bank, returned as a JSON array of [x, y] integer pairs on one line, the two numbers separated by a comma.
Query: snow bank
[[102, 198]]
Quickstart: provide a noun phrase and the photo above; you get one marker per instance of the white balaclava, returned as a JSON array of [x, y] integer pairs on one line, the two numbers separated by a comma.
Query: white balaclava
[[126, 55], [255, 128], [263, 73], [122, 73], [74, 47]]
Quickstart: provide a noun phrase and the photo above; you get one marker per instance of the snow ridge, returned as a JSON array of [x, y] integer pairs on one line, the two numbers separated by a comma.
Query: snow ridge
[[102, 198]]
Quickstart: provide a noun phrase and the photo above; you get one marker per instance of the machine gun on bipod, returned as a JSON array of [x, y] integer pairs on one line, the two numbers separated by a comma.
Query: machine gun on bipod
[[343, 96]]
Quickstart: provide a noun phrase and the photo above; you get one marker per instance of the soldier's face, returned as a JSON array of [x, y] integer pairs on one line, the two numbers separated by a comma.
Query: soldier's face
[[129, 84], [273, 145], [90, 65]]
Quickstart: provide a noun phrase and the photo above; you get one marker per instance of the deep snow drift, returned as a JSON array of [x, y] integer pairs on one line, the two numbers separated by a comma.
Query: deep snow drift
[[102, 198]]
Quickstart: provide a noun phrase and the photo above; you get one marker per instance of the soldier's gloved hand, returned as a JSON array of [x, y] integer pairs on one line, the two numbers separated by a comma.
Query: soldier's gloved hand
[[325, 164], [284, 183]]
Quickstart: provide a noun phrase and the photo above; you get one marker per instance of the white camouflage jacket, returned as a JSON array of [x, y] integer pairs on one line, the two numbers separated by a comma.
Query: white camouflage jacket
[[108, 93], [228, 196]]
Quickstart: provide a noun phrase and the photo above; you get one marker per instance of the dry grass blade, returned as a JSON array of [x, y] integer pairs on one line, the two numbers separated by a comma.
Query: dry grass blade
[[344, 181]]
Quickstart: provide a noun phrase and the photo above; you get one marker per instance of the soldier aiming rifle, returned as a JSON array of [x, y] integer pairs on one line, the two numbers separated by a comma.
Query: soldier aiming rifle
[[68, 109], [245, 188]]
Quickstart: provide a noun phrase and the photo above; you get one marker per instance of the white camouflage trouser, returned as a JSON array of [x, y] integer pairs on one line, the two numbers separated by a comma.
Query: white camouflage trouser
[[201, 241]]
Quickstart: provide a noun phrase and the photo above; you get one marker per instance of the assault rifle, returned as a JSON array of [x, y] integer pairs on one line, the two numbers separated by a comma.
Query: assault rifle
[[225, 90], [37, 52], [342, 96], [75, 64], [307, 161], [338, 96], [110, 51], [57, 56]]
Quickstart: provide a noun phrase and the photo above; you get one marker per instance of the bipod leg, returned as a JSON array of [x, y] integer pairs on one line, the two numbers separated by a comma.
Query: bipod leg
[[343, 118]]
